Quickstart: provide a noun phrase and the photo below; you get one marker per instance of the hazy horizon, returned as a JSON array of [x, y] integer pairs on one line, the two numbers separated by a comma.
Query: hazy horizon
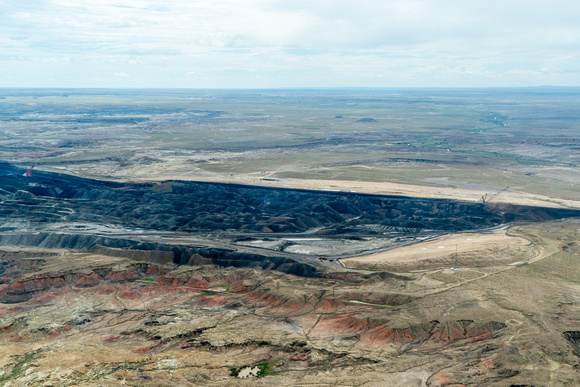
[[306, 88]]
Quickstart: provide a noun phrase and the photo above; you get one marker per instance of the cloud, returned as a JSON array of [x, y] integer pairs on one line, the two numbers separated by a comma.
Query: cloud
[[300, 43]]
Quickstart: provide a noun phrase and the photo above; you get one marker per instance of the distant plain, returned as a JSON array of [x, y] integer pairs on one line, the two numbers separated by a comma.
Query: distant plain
[[477, 139]]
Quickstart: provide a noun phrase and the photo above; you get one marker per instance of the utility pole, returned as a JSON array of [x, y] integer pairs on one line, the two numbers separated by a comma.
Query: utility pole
[[455, 265]]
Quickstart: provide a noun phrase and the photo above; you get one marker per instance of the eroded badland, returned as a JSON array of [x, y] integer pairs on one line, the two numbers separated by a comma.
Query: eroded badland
[[358, 237]]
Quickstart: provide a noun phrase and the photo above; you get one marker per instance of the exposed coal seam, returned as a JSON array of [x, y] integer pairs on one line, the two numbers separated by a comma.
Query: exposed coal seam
[[184, 206], [182, 255]]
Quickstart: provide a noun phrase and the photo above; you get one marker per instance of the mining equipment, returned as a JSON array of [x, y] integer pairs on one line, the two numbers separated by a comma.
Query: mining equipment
[[484, 199], [29, 172]]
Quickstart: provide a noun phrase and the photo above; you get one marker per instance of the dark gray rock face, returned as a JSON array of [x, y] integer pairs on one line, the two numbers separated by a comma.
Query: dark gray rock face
[[187, 207], [182, 255], [191, 207]]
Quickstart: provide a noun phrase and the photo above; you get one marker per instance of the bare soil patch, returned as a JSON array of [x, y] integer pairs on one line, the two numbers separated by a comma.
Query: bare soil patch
[[382, 188], [472, 250]]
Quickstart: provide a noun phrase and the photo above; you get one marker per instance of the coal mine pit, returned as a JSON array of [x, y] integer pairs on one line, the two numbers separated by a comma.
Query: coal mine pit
[[186, 207]]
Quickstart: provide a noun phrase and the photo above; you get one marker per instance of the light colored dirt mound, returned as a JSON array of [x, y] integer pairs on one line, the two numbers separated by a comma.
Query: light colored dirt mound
[[388, 188], [163, 172], [472, 250]]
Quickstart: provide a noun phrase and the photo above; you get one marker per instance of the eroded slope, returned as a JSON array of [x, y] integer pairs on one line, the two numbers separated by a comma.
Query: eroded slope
[[113, 321]]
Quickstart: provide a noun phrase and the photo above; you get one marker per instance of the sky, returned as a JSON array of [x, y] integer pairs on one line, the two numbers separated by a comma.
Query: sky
[[289, 43]]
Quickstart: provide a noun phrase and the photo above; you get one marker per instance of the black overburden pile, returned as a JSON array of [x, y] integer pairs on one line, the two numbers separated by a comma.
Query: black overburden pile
[[191, 207]]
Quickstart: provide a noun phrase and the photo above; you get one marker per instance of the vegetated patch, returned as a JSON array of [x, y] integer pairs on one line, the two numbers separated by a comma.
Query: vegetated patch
[[147, 279], [20, 365], [258, 370]]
